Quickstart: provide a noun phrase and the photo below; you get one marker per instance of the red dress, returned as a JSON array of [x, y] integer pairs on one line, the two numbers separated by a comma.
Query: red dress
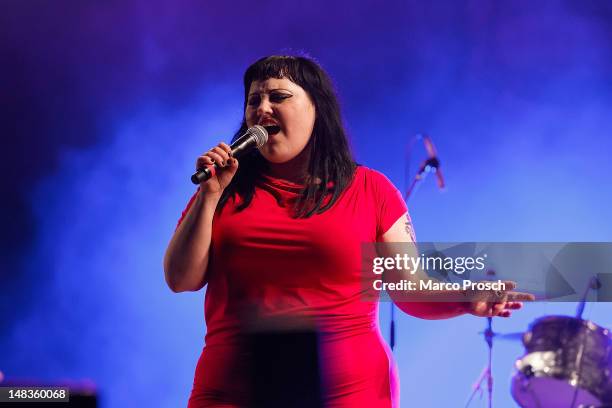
[[265, 264]]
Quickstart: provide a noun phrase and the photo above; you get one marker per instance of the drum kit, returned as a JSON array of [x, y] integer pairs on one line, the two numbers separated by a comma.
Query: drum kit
[[567, 363]]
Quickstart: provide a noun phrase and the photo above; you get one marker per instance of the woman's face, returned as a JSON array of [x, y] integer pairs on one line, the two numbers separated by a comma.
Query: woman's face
[[282, 103]]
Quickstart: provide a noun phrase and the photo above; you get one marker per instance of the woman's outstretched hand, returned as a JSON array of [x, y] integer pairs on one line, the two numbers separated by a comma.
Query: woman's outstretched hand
[[496, 303]]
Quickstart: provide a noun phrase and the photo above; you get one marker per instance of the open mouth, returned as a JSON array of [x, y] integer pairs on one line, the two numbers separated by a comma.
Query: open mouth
[[272, 129]]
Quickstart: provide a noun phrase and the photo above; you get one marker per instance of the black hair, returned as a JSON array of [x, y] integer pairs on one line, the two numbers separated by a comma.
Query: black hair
[[330, 160]]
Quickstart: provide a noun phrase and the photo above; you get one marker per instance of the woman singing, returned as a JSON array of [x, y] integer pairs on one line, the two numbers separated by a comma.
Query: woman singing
[[277, 239]]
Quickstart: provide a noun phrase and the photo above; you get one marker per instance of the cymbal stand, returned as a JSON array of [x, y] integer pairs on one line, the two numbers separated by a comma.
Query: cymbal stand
[[593, 284]]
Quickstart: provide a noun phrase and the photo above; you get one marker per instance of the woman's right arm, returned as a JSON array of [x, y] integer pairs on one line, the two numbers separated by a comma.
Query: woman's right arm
[[186, 258]]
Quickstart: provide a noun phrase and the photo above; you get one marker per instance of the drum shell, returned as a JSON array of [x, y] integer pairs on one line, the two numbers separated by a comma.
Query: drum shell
[[576, 352]]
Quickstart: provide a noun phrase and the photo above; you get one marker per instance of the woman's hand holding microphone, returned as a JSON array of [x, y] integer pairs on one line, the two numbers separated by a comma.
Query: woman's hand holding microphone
[[221, 155]]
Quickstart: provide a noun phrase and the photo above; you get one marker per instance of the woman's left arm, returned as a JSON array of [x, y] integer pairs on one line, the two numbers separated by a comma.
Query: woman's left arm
[[478, 303]]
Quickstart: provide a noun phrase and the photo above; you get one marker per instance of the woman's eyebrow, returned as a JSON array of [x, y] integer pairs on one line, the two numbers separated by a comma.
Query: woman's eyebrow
[[269, 90]]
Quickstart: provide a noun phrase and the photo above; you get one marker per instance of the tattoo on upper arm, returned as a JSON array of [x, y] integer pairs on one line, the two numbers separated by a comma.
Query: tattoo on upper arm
[[410, 228]]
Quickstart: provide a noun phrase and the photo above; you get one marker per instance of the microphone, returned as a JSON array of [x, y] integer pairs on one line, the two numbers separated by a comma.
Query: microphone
[[433, 160], [255, 136]]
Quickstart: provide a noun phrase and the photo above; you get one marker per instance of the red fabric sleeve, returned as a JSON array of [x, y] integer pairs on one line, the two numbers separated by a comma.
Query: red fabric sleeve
[[184, 213], [390, 203]]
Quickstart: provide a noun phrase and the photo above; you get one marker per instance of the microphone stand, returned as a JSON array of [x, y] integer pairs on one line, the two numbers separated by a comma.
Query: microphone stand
[[431, 162], [487, 372]]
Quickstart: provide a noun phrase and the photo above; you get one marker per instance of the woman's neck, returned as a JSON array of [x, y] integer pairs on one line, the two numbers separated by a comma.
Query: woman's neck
[[294, 170]]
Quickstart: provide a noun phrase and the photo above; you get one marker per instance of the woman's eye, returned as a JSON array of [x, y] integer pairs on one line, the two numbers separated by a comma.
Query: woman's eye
[[253, 102], [279, 97]]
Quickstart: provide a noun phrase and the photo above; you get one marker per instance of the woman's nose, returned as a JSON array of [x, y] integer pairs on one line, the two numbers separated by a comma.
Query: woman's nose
[[264, 107]]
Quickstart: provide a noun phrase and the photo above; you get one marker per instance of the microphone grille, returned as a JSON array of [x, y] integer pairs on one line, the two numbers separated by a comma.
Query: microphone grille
[[260, 134]]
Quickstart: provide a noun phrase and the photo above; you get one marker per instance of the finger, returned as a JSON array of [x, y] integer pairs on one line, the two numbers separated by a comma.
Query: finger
[[233, 163], [221, 152], [498, 308], [496, 296], [520, 296], [513, 305], [226, 148], [509, 285], [216, 158], [203, 161], [505, 313]]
